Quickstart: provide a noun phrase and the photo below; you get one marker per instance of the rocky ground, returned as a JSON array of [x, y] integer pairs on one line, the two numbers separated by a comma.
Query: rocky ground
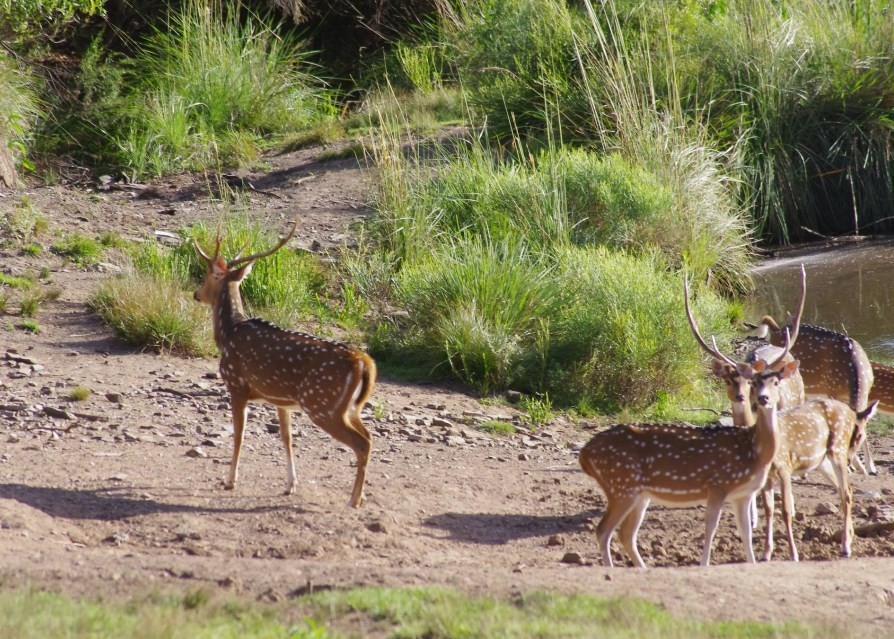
[[121, 492]]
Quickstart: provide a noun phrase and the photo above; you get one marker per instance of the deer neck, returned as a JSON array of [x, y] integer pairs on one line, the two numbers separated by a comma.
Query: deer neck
[[766, 435], [227, 311]]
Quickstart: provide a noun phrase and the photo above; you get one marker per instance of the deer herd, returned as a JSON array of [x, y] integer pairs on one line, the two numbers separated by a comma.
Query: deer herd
[[777, 432]]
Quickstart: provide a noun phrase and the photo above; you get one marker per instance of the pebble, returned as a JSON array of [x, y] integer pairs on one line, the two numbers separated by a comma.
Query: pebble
[[197, 452], [572, 558]]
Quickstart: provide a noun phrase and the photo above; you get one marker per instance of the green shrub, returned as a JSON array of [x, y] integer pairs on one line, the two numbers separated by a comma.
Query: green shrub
[[79, 248], [148, 312], [623, 339]]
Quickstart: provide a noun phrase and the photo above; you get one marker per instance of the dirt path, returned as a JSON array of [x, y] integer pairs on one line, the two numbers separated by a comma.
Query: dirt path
[[127, 496]]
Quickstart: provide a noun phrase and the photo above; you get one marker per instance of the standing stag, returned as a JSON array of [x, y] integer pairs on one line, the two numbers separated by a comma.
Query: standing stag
[[832, 365], [686, 466], [259, 361]]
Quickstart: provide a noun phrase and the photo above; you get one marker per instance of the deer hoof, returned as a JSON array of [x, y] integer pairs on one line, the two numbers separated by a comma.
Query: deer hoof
[[228, 485], [290, 490]]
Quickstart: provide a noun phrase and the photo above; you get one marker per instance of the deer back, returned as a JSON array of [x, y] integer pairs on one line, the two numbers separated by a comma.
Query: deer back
[[832, 364]]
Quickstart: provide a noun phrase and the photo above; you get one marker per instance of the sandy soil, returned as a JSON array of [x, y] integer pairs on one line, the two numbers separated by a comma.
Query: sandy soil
[[123, 494]]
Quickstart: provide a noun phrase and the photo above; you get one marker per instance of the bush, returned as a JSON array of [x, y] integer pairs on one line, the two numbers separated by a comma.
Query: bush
[[18, 110]]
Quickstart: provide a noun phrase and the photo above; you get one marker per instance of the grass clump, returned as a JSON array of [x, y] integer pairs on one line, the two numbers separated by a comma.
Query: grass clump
[[79, 248], [215, 84], [79, 394], [495, 427], [25, 222], [149, 312], [30, 326]]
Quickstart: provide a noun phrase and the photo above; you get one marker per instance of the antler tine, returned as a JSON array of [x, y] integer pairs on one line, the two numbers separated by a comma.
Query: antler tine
[[788, 345], [713, 352], [203, 254], [255, 256], [796, 322]]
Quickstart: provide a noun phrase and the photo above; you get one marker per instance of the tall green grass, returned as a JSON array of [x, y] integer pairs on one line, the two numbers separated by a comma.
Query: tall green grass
[[792, 100], [212, 77], [19, 107]]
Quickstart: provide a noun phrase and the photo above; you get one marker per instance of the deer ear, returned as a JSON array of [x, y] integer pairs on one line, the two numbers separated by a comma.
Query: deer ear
[[747, 370], [789, 369], [219, 267], [240, 273], [719, 368], [869, 412]]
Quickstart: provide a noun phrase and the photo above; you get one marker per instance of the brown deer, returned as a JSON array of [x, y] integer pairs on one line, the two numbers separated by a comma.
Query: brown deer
[[686, 466], [259, 361], [832, 365], [819, 434]]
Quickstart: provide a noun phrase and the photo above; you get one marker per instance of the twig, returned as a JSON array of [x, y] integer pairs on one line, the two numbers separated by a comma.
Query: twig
[[708, 410]]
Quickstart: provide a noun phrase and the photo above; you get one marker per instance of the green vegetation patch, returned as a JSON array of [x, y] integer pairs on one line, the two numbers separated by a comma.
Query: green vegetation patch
[[445, 614], [79, 248], [435, 613]]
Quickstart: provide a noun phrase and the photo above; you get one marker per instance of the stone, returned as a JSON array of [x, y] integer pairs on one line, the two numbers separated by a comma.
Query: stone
[[572, 558], [197, 452], [824, 508]]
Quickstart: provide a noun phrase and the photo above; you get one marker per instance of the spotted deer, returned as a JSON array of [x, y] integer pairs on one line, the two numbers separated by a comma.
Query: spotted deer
[[260, 361], [681, 466], [832, 365], [822, 433], [738, 387], [883, 387]]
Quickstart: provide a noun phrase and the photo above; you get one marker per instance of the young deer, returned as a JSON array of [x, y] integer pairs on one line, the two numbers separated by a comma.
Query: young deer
[[821, 432], [686, 466], [833, 365], [259, 361]]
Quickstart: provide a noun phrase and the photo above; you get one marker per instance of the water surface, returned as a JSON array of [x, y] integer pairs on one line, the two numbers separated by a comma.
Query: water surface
[[849, 289]]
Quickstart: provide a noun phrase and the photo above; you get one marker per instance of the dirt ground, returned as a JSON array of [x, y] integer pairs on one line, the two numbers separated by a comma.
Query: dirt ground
[[122, 493]]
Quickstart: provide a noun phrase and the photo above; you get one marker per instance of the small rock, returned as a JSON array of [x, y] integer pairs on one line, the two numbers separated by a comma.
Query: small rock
[[454, 441], [555, 540], [524, 457], [115, 398], [196, 452], [118, 477], [212, 375], [824, 508], [572, 558], [376, 527], [13, 439], [441, 422], [513, 397]]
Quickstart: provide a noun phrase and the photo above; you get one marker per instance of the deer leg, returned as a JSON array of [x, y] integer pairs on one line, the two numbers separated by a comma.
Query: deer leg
[[753, 507], [629, 529], [769, 505], [867, 453], [844, 491], [285, 433], [788, 511], [615, 512], [712, 516], [338, 425], [239, 406], [742, 512], [828, 472]]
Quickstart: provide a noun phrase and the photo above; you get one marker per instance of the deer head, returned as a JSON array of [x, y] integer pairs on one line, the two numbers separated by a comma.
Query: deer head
[[220, 272]]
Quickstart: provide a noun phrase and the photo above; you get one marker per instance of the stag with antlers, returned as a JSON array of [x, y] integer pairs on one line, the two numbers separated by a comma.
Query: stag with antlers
[[259, 361]]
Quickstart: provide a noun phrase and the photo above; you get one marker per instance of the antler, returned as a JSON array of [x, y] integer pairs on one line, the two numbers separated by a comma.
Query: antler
[[204, 255], [255, 256], [713, 352], [796, 322]]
